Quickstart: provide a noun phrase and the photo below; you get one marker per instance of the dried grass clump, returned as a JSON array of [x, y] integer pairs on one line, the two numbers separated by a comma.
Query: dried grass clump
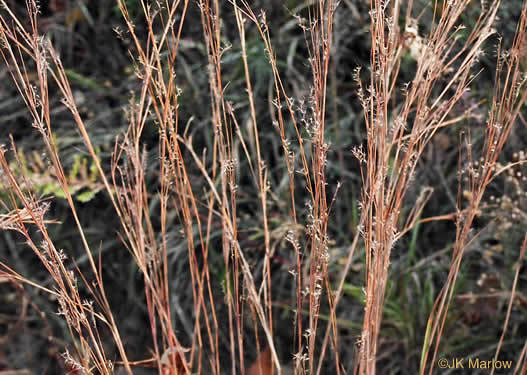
[[401, 119]]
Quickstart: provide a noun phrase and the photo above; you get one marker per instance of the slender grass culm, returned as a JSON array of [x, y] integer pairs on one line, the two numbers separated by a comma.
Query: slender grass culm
[[246, 190]]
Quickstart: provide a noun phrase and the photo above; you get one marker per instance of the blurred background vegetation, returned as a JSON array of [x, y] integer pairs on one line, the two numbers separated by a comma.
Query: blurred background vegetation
[[93, 45]]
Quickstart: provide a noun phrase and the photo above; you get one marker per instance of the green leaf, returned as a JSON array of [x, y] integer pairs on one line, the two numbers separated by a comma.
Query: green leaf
[[86, 196]]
